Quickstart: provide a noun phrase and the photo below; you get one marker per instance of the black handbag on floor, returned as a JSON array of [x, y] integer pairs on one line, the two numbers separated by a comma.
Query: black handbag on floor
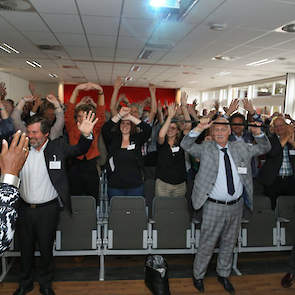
[[156, 275]]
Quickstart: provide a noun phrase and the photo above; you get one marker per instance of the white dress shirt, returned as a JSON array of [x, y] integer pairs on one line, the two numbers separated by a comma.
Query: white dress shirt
[[36, 186], [219, 191]]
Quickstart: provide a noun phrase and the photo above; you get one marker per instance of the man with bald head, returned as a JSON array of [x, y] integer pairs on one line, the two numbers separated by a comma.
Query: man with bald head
[[222, 186]]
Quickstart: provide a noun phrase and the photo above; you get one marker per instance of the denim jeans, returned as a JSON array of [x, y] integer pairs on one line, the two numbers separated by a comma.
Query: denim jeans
[[136, 191]]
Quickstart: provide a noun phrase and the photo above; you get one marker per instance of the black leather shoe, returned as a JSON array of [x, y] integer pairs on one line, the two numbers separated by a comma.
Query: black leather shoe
[[287, 280], [24, 290], [199, 285], [47, 291], [226, 285]]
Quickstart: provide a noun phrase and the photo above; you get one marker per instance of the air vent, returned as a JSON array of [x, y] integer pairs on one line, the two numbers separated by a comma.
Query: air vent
[[168, 81], [16, 5], [49, 47], [145, 54], [69, 67]]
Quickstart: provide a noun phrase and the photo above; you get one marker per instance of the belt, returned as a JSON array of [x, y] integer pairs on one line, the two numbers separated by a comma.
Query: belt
[[25, 204], [224, 202]]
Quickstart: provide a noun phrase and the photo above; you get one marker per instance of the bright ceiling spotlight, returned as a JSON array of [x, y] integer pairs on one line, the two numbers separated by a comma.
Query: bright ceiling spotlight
[[165, 3]]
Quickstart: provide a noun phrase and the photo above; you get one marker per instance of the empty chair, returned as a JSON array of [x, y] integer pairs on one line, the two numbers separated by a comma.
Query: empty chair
[[261, 226], [79, 230], [128, 223], [171, 223], [286, 214]]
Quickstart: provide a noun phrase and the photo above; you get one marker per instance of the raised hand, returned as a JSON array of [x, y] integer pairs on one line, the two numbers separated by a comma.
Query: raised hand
[[256, 130], [171, 110], [234, 105], [30, 98], [3, 92], [83, 86], [152, 88], [13, 158], [183, 99], [51, 98], [118, 82], [248, 106], [204, 124], [124, 111], [87, 124]]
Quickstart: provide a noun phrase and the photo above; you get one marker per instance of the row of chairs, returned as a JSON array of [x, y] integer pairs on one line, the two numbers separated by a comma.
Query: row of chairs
[[123, 228]]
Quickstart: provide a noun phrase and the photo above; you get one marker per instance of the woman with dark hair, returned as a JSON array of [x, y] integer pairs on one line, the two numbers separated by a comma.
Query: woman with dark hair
[[124, 136], [171, 170]]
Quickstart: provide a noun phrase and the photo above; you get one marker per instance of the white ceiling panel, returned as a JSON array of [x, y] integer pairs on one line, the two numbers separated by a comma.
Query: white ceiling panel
[[78, 52], [41, 38], [139, 9], [290, 45], [130, 42], [55, 6], [101, 52], [127, 53], [25, 21], [64, 23], [98, 25], [271, 39], [100, 8], [72, 39], [101, 41], [137, 27]]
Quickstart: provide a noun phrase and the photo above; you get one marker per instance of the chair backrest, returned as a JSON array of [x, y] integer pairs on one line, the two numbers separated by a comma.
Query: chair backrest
[[261, 223], [172, 221], [286, 209], [78, 231], [128, 222]]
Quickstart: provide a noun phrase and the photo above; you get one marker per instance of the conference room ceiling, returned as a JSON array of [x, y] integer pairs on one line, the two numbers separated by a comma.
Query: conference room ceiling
[[97, 40]]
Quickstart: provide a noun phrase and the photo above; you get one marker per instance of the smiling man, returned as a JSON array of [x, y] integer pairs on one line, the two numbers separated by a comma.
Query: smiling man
[[222, 186]]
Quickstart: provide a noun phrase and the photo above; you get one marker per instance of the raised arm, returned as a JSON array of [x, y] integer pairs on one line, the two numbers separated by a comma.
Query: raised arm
[[57, 128], [153, 111], [113, 105], [164, 129], [188, 125]]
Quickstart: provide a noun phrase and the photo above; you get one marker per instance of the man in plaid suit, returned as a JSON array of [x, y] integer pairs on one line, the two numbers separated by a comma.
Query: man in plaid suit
[[222, 186]]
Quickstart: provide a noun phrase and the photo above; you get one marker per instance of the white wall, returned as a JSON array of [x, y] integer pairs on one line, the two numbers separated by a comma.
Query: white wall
[[16, 87], [44, 88]]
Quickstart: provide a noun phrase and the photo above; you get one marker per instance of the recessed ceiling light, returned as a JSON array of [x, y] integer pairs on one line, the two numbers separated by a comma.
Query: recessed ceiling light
[[222, 57], [217, 27], [128, 78], [53, 75], [165, 3], [37, 64], [261, 62], [290, 28], [31, 64], [4, 49], [135, 68], [11, 48]]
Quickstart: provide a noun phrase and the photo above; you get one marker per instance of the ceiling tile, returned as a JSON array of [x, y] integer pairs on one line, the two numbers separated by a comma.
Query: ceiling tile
[[100, 8], [101, 41], [67, 39], [55, 6], [98, 25]]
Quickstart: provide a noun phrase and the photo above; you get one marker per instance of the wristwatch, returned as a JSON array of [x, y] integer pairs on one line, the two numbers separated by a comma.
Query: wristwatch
[[10, 179]]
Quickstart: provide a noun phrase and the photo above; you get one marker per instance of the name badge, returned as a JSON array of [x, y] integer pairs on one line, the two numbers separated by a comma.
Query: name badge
[[54, 165], [175, 149], [242, 170], [130, 147], [292, 152]]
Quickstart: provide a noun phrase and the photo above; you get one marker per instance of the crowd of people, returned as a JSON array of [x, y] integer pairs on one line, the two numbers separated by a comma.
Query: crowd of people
[[215, 159]]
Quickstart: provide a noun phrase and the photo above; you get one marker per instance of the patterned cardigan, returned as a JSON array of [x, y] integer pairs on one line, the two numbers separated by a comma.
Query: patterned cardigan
[[9, 196]]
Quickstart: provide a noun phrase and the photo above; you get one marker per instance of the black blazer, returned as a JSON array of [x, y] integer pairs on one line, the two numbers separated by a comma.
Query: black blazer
[[270, 169], [59, 150]]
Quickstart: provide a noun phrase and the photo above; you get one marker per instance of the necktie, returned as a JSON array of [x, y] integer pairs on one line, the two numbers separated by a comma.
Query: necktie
[[229, 173]]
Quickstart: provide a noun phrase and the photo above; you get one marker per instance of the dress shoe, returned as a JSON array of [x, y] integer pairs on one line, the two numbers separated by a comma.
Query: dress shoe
[[288, 280], [199, 285], [24, 290], [226, 284], [47, 291]]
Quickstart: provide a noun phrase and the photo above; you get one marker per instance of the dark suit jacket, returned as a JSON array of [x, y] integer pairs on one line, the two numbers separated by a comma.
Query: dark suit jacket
[[270, 169], [60, 150]]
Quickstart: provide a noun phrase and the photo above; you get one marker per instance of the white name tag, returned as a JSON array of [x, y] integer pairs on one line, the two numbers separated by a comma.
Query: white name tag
[[175, 149], [131, 147], [292, 152], [242, 170], [55, 165], [112, 165]]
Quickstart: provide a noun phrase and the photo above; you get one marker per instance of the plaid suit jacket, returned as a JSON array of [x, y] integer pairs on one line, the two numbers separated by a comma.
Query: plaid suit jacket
[[208, 154]]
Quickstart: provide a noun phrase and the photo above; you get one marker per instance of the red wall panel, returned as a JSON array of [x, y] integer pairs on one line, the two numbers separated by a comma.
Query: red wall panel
[[134, 94]]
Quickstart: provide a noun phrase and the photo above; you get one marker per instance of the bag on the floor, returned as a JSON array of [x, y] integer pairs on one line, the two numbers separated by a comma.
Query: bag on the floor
[[156, 275]]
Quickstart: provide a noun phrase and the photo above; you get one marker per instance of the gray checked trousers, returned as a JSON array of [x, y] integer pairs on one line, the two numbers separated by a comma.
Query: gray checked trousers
[[219, 223]]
